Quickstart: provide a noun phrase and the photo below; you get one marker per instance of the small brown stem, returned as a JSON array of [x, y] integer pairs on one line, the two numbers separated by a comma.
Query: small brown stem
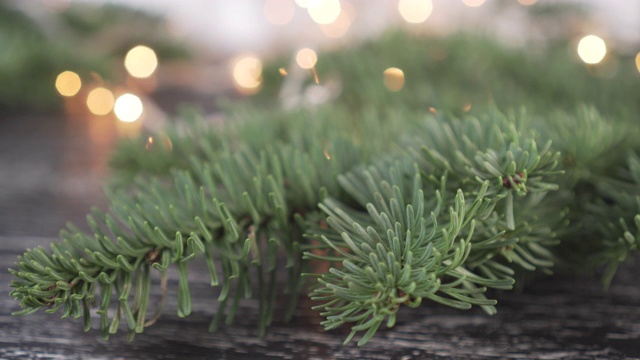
[[507, 184], [152, 256]]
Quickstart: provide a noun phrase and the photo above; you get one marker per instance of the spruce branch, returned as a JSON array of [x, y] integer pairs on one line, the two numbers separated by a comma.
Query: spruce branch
[[614, 219], [407, 249], [238, 209], [598, 189], [499, 251], [489, 149], [495, 151], [475, 202], [591, 144]]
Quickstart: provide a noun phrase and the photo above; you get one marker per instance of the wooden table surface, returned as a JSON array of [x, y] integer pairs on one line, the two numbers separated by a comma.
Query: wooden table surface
[[52, 170]]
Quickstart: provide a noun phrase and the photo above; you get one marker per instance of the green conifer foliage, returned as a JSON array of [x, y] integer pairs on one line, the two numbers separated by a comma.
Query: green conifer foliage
[[404, 206]]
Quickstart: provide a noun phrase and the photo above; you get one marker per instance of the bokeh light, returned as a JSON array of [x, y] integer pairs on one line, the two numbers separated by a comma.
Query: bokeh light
[[638, 61], [592, 49], [394, 79], [128, 108], [473, 3], [100, 101], [415, 11], [306, 58], [279, 12], [141, 61], [68, 83], [527, 2], [303, 3], [149, 144], [339, 27], [247, 74], [324, 11]]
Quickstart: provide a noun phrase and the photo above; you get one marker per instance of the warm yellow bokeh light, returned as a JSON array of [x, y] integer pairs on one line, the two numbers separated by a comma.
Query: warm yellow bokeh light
[[149, 143], [303, 3], [415, 11], [128, 108], [638, 62], [339, 27], [279, 12], [141, 61], [393, 79], [592, 49], [324, 11], [527, 2], [100, 101], [68, 83], [306, 58], [247, 74], [473, 3]]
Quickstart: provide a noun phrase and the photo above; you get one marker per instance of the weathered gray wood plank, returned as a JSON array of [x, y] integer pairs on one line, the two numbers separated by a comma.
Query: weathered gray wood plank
[[555, 318]]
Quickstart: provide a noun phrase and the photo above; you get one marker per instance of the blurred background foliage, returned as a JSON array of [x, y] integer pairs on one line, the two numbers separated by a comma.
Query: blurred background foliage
[[84, 37]]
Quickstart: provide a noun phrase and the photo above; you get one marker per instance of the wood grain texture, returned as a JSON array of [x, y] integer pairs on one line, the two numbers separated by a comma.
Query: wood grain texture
[[52, 170], [555, 318]]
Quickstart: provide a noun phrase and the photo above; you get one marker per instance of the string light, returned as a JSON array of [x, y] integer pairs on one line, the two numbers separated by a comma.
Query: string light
[[473, 3], [128, 108], [141, 61], [68, 83], [247, 74], [393, 79], [415, 11], [100, 101], [592, 49], [279, 12], [153, 143], [324, 11], [306, 58]]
